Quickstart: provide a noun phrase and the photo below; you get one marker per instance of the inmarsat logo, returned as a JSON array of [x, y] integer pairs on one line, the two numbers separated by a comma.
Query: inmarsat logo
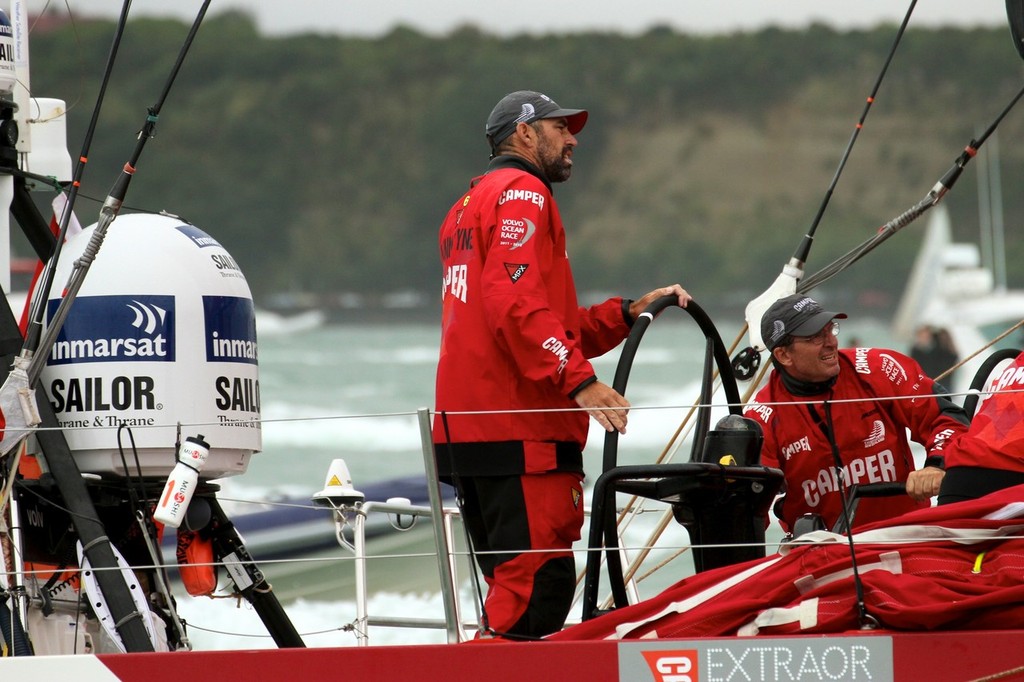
[[115, 329], [147, 316], [230, 329], [198, 237], [231, 338]]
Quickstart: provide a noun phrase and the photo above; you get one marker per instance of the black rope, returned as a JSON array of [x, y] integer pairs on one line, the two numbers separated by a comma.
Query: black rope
[[803, 251], [935, 194], [866, 620], [34, 330]]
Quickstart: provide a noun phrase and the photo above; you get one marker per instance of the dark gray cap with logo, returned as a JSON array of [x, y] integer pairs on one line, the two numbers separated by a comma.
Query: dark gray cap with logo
[[796, 315], [527, 106]]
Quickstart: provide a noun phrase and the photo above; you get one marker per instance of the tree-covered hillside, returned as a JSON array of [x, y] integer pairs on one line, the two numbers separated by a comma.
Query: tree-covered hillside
[[325, 164]]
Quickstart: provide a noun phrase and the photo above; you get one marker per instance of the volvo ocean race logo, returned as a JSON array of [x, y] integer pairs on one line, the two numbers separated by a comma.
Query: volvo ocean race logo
[[115, 329]]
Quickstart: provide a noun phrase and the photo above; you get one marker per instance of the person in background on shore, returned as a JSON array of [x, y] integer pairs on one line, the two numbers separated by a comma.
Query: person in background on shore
[[854, 405], [513, 370], [935, 351], [990, 455], [947, 356]]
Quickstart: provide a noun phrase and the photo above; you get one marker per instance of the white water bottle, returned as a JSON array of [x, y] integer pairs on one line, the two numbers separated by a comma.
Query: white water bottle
[[181, 484]]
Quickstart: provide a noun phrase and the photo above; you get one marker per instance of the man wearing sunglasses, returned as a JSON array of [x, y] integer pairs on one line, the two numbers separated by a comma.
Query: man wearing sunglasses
[[836, 417]]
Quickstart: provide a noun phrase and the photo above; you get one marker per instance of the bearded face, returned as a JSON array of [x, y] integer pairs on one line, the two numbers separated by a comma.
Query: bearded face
[[554, 149]]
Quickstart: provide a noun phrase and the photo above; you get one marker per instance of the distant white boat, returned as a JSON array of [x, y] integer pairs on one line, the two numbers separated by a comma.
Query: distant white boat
[[949, 287], [271, 324]]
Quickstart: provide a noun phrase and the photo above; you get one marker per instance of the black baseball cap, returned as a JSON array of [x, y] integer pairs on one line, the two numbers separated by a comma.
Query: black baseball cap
[[796, 315], [527, 106]]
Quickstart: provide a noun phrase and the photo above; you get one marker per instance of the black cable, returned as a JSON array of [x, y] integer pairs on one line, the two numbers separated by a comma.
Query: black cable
[[109, 211], [12, 632], [803, 250], [133, 497], [748, 360], [867, 621], [935, 194], [142, 513], [35, 324]]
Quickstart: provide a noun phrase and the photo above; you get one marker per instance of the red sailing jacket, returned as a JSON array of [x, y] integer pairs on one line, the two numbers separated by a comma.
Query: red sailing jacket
[[513, 335], [996, 437], [871, 434]]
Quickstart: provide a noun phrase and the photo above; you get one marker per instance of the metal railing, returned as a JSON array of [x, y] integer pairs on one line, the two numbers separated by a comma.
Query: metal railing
[[354, 513]]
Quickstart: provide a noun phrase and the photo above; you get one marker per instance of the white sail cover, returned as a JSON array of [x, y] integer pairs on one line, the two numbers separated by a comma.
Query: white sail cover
[[19, 414]]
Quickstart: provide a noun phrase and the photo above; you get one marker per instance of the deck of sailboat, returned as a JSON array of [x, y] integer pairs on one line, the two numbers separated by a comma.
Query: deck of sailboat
[[877, 655]]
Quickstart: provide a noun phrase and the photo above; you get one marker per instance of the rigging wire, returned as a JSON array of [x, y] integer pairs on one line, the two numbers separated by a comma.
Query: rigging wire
[[934, 195], [35, 324], [745, 363], [803, 250], [109, 211]]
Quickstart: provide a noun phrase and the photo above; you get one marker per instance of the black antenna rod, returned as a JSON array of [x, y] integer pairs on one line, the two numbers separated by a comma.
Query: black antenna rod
[[748, 360], [109, 211], [935, 194], [35, 325], [804, 249]]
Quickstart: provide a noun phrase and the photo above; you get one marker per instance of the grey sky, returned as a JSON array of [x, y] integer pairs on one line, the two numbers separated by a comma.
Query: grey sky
[[364, 17]]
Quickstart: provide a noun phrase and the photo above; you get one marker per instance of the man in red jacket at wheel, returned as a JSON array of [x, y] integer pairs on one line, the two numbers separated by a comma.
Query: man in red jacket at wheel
[[513, 370], [990, 456], [834, 417]]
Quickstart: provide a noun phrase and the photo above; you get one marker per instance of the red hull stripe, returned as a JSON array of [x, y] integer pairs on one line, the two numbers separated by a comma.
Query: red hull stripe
[[925, 655]]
